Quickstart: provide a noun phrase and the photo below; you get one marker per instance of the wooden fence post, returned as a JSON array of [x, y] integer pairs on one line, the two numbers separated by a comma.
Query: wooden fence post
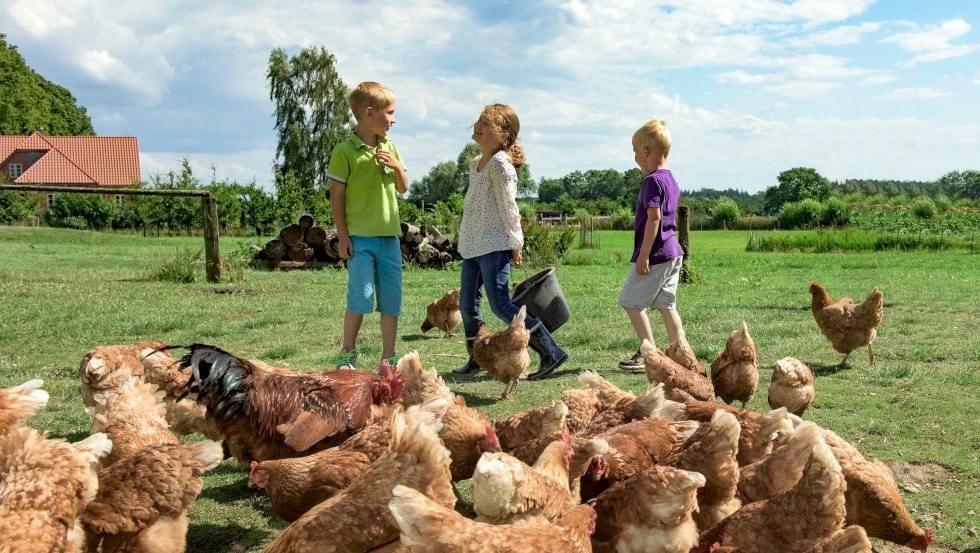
[[212, 260], [683, 236]]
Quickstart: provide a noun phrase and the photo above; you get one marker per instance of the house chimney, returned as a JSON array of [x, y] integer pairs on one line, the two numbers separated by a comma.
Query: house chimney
[[40, 130]]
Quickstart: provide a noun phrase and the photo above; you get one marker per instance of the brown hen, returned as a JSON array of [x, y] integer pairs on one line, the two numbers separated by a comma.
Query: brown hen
[[504, 353], [428, 527], [873, 499], [443, 314], [712, 451], [792, 521], [791, 386], [648, 513], [734, 373], [519, 428], [846, 324], [661, 368], [357, 518], [143, 499]]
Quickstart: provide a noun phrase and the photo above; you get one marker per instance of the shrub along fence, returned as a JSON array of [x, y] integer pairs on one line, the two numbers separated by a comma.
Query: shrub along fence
[[212, 263]]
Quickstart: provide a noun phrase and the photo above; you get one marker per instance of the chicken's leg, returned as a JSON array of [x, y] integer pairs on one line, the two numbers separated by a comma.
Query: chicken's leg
[[871, 355], [843, 362]]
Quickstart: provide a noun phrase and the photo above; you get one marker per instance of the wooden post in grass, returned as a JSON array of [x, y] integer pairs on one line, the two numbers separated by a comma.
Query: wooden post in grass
[[683, 236], [212, 262]]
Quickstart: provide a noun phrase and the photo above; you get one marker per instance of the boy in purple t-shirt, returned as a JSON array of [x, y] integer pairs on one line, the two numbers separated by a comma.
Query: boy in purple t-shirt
[[657, 255]]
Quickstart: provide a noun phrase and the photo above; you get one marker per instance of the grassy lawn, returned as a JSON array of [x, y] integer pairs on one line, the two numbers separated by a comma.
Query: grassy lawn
[[63, 292]]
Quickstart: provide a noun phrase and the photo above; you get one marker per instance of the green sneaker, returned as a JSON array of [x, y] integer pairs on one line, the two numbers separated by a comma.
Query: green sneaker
[[346, 359], [393, 360]]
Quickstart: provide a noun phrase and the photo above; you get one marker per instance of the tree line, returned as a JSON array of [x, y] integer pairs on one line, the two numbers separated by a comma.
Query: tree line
[[312, 117]]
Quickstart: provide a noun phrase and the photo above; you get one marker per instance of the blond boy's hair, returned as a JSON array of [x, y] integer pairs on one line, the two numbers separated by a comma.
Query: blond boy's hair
[[653, 133], [369, 94]]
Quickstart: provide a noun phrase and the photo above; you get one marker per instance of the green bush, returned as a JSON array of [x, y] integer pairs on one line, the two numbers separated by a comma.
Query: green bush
[[544, 246], [725, 212], [924, 208], [806, 213], [81, 211], [836, 213], [16, 207], [182, 268]]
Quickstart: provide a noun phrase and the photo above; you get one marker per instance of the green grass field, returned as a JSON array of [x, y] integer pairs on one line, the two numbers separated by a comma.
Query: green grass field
[[63, 292]]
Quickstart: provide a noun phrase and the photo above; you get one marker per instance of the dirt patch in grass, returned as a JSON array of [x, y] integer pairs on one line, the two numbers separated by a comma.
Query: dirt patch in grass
[[922, 476], [884, 547]]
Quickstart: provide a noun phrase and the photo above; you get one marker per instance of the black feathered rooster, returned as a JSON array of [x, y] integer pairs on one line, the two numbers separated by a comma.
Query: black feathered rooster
[[277, 414]]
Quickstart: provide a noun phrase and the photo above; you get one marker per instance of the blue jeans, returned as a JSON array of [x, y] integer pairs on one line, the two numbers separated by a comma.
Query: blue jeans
[[492, 272]]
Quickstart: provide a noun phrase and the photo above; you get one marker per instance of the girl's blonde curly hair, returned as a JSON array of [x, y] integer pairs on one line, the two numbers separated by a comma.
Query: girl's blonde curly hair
[[503, 119]]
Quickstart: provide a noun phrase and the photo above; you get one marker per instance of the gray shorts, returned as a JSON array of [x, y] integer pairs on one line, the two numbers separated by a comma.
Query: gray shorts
[[657, 290]]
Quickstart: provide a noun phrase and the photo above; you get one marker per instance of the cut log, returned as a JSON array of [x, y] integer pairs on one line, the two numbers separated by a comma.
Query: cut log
[[315, 236], [300, 252], [275, 249], [306, 222], [331, 245], [292, 235], [411, 234]]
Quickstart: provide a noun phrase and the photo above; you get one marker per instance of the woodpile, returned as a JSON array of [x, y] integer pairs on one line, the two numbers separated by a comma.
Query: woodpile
[[304, 245]]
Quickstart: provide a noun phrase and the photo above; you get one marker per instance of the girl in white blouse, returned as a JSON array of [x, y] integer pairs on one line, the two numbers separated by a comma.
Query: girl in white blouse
[[490, 236]]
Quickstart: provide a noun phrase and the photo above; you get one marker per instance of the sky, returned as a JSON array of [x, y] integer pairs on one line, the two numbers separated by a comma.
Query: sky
[[877, 89]]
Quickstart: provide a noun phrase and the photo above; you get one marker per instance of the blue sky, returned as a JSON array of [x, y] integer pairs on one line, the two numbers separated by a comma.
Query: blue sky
[[882, 89]]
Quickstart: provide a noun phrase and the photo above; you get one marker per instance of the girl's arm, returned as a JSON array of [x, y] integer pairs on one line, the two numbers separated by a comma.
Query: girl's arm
[[504, 186]]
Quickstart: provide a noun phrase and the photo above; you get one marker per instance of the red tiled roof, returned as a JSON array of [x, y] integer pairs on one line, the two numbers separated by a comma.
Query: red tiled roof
[[92, 160]]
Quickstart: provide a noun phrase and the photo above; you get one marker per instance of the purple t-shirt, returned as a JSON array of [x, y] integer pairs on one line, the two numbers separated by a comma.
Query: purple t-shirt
[[659, 189]]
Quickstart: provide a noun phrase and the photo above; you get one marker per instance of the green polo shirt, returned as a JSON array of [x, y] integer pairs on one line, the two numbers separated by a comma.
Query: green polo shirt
[[371, 201]]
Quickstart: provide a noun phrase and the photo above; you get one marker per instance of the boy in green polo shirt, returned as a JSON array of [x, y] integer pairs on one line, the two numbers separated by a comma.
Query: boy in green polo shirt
[[366, 173]]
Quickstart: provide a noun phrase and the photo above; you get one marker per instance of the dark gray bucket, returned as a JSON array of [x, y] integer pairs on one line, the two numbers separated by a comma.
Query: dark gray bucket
[[542, 296]]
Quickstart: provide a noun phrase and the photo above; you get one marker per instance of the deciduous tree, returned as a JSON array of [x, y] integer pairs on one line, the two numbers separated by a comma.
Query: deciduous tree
[[311, 113]]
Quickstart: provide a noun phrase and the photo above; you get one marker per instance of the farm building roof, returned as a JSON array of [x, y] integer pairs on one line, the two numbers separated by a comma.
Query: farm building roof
[[79, 160]]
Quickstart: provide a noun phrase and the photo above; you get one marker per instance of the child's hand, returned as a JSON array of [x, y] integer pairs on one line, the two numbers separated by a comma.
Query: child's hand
[[386, 159], [517, 256], [642, 266], [345, 247]]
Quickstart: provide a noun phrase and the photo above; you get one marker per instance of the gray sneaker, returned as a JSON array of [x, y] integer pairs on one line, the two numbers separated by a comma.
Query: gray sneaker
[[634, 363]]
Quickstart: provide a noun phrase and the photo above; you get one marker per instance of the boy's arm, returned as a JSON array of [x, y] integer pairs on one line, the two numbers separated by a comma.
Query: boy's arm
[[338, 195], [650, 231]]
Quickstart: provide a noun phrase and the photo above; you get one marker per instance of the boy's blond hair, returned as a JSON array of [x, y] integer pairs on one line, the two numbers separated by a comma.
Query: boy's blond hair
[[369, 94], [653, 133]]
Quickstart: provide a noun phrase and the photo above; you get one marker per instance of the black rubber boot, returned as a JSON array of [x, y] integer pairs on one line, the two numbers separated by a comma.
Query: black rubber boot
[[544, 345], [471, 365]]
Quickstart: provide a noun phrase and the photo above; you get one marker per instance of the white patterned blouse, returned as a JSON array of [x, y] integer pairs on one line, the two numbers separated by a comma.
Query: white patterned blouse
[[491, 220]]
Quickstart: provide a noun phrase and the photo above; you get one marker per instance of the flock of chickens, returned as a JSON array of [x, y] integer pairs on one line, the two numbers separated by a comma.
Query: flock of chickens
[[358, 461]]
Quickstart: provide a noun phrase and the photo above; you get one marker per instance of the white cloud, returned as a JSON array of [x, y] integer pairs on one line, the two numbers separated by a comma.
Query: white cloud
[[919, 93], [745, 78], [733, 78], [933, 42], [38, 18], [838, 36], [803, 88]]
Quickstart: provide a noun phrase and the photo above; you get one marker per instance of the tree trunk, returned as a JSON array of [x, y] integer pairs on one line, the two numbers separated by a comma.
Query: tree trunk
[[316, 236], [292, 235], [300, 252], [275, 249], [306, 222]]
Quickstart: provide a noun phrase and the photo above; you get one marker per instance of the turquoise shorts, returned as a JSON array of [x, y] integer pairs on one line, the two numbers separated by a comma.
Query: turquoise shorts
[[375, 271]]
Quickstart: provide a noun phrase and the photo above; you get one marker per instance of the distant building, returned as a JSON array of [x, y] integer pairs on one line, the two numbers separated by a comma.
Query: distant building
[[109, 162], [549, 217]]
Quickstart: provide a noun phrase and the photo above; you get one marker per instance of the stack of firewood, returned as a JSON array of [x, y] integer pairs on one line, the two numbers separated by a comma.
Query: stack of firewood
[[304, 245], [426, 246]]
